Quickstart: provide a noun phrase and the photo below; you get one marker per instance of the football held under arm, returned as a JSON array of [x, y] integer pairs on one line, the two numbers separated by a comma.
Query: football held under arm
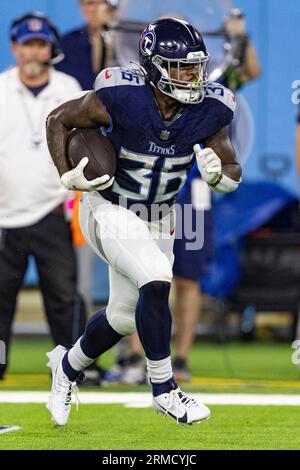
[[217, 163], [86, 112]]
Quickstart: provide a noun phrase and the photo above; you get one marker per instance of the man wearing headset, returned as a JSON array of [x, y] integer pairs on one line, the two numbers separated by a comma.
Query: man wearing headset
[[32, 218]]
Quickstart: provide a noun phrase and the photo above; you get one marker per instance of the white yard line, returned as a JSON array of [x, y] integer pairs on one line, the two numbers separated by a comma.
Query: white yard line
[[6, 429], [141, 400]]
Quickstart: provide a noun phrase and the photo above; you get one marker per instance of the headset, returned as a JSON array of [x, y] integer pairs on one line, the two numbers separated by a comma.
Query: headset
[[113, 3], [57, 53]]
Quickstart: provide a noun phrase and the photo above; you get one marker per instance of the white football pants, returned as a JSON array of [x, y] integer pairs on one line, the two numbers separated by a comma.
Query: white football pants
[[137, 252]]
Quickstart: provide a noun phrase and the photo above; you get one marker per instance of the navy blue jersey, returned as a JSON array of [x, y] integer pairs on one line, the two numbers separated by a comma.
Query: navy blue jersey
[[155, 156]]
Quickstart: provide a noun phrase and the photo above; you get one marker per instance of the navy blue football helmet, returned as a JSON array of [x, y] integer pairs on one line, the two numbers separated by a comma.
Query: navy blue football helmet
[[168, 45]]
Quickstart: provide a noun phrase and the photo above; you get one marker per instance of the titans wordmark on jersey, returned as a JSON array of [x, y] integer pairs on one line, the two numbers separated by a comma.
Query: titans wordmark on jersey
[[155, 156]]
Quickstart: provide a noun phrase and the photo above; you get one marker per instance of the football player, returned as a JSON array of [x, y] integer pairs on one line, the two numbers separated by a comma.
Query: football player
[[160, 118]]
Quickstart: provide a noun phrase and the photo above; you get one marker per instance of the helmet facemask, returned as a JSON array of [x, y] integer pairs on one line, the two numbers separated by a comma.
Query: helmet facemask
[[186, 92]]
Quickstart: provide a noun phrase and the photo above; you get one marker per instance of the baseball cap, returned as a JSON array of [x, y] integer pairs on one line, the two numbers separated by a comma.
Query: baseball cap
[[34, 28]]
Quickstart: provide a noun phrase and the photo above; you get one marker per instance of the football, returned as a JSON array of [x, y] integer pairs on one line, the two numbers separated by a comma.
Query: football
[[94, 145]]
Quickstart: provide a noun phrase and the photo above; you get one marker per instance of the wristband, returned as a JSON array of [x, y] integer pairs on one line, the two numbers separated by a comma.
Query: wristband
[[225, 185]]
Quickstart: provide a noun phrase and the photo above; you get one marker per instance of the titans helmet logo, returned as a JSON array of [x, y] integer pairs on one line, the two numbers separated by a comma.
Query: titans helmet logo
[[147, 42]]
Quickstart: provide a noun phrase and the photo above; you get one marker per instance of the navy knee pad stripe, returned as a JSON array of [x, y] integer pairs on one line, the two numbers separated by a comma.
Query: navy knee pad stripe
[[99, 336], [153, 319]]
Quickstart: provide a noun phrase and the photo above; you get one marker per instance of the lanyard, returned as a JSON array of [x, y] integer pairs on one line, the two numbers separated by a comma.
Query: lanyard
[[35, 126]]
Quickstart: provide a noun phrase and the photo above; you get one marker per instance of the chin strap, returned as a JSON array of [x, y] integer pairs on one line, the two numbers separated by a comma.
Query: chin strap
[[225, 185]]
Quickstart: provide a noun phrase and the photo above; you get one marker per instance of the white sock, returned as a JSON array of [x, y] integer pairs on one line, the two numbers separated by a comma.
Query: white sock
[[160, 371], [77, 359]]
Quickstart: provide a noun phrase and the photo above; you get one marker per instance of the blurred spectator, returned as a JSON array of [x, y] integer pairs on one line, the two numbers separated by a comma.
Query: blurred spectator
[[88, 49], [189, 265], [32, 220], [241, 64]]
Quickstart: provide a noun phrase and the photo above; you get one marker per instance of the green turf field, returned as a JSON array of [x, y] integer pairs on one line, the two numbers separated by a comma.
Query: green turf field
[[115, 427], [264, 368]]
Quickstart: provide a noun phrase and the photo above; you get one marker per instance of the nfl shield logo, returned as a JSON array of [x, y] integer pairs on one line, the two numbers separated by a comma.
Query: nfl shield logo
[[164, 135], [35, 25]]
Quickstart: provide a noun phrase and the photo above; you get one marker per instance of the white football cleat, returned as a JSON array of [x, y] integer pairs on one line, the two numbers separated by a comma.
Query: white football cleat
[[59, 403], [179, 406]]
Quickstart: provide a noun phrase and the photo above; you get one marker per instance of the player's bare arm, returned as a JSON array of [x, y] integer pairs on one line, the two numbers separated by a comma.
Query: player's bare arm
[[86, 112], [222, 146], [83, 113], [217, 163]]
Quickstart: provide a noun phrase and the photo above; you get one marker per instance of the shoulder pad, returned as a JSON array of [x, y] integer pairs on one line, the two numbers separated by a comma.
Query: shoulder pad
[[118, 76], [220, 93]]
